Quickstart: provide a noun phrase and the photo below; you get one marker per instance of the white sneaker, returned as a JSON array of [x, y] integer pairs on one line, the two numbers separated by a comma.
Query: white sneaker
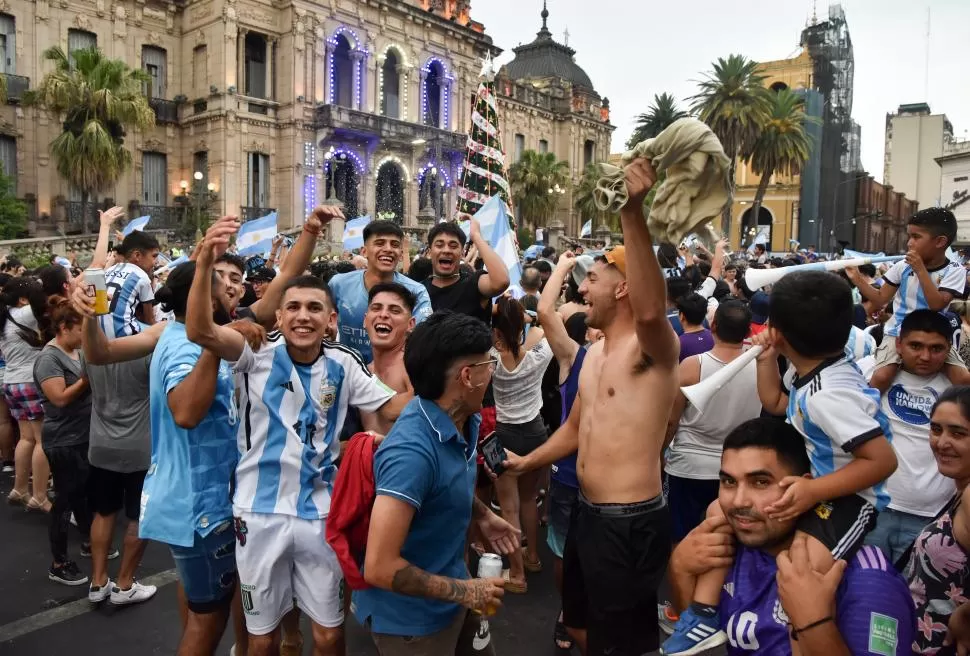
[[98, 594], [136, 594]]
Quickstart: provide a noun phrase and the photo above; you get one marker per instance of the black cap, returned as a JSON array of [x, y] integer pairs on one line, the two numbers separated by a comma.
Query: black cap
[[262, 274]]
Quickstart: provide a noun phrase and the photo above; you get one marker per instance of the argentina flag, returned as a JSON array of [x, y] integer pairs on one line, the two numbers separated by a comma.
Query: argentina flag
[[136, 224], [256, 237], [354, 232]]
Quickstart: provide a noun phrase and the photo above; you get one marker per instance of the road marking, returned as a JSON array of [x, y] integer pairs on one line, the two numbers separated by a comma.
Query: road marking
[[47, 618]]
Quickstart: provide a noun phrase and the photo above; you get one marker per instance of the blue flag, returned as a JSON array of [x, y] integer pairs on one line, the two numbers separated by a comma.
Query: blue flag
[[256, 237], [354, 232], [136, 224]]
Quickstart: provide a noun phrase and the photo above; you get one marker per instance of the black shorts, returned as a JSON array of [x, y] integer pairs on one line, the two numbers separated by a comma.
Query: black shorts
[[522, 439], [689, 499], [841, 524], [110, 491], [613, 564]]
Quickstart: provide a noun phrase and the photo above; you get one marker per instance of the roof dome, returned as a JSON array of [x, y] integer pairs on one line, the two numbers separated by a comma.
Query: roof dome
[[544, 58]]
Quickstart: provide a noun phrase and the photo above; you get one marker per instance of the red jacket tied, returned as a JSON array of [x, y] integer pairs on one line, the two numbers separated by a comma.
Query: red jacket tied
[[350, 507]]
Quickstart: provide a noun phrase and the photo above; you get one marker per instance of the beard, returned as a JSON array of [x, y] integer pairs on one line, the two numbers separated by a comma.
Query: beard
[[221, 316]]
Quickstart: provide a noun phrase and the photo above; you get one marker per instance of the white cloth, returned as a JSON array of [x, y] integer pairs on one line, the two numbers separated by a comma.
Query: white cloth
[[696, 189], [20, 355], [518, 393], [917, 486], [285, 558]]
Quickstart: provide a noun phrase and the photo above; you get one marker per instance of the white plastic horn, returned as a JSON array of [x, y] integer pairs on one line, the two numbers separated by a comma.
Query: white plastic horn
[[757, 278], [700, 394]]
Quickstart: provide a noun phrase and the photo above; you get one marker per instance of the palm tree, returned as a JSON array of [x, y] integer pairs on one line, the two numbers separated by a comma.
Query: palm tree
[[660, 114], [734, 103], [783, 145], [533, 178], [97, 98], [586, 206]]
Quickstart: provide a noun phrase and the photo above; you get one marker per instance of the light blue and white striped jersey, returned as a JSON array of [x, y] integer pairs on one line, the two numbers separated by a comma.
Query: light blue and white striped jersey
[[951, 277], [128, 287], [836, 411], [860, 345], [291, 416]]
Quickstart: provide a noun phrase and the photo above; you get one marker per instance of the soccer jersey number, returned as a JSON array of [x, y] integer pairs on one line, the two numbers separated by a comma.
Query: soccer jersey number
[[305, 432], [741, 632]]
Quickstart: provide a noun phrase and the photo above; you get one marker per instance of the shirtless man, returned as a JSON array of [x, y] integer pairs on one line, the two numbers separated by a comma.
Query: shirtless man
[[388, 322], [619, 537]]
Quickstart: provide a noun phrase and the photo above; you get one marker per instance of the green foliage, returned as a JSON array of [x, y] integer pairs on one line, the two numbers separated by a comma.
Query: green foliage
[[525, 236], [31, 259], [782, 146], [585, 204], [659, 116], [13, 213], [531, 179]]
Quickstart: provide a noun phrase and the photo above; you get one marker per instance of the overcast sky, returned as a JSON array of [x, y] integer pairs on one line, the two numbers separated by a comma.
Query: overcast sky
[[632, 49]]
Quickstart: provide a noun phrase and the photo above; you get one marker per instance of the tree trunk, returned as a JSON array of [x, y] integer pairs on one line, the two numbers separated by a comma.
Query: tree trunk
[[729, 208], [759, 196], [84, 212]]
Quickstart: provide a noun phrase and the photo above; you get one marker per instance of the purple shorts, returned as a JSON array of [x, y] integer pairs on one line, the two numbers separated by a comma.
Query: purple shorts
[[24, 401]]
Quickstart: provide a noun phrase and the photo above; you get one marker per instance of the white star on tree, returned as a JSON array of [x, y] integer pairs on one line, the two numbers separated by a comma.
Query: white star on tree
[[488, 68]]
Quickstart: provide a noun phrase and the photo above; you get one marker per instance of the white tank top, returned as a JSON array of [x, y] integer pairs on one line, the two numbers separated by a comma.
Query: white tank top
[[696, 448]]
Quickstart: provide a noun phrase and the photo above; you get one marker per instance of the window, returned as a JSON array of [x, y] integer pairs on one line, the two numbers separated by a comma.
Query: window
[[588, 149], [341, 73], [154, 179], [255, 65], [8, 44], [200, 162], [390, 86], [257, 194], [519, 146], [80, 40], [8, 159], [200, 74], [434, 82], [543, 146], [153, 62]]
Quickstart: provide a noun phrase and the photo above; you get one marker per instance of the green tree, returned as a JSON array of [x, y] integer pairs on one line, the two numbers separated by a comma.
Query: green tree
[[585, 204], [531, 179], [13, 213], [734, 103], [782, 146], [659, 116], [98, 99]]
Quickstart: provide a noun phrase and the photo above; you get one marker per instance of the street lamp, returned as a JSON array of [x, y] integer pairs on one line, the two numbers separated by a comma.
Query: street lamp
[[198, 176], [332, 199]]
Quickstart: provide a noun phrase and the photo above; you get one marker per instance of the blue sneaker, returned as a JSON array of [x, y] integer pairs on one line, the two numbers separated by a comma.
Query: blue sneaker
[[694, 635]]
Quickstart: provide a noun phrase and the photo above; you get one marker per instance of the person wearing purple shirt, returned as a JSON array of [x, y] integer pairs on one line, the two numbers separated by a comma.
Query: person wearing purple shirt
[[696, 339], [772, 595]]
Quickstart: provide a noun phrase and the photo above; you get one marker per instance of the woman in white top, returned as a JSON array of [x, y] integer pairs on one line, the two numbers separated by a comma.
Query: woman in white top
[[21, 340], [522, 361]]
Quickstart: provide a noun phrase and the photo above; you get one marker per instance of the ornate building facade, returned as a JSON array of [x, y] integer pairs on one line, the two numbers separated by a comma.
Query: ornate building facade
[[265, 106]]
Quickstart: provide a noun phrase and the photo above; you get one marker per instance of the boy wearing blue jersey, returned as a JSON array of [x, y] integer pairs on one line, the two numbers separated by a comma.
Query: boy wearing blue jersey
[[131, 298], [845, 432], [925, 280], [294, 392]]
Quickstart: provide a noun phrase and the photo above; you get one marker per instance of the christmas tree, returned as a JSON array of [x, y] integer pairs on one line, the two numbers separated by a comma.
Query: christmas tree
[[483, 174]]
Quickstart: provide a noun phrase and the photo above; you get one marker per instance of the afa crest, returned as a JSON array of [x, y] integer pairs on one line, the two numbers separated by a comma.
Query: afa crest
[[823, 510], [328, 395]]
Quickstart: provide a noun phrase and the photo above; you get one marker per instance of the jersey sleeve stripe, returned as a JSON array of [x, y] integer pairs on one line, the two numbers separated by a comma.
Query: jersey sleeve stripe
[[398, 495], [353, 353], [859, 440]]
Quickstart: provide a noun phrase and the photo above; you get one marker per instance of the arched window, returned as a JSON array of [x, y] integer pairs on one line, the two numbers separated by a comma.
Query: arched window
[[778, 86], [391, 86], [390, 192], [433, 83], [341, 73], [756, 232]]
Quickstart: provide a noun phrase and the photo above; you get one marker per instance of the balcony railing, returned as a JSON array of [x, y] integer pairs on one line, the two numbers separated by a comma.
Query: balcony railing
[[16, 86], [166, 111], [355, 122], [75, 218], [253, 213], [163, 218]]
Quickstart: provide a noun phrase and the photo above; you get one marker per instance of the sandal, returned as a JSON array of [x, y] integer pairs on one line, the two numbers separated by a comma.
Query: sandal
[[39, 506], [561, 636], [531, 566], [511, 586], [17, 498]]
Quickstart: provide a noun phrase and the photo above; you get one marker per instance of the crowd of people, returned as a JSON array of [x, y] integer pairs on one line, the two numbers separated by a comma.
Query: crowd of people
[[306, 438]]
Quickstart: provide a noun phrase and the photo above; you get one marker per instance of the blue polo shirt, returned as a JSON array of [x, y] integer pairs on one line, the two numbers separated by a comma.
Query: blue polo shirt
[[425, 463]]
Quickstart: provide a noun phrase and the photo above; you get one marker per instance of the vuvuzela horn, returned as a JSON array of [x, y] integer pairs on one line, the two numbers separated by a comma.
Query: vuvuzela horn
[[700, 394], [757, 278]]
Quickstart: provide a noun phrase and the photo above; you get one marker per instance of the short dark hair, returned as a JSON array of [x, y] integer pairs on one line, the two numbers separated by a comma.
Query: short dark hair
[[420, 269], [732, 322], [677, 288], [380, 228], [542, 266], [174, 294], [434, 345], [343, 266], [772, 434], [927, 321], [667, 255], [693, 307], [868, 270], [939, 221], [233, 260], [306, 281], [548, 251], [52, 279], [959, 394], [137, 241], [576, 327], [395, 288], [323, 270], [813, 311], [760, 247], [447, 228]]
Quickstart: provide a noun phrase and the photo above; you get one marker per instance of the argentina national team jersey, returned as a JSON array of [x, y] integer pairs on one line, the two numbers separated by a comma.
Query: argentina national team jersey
[[291, 415], [860, 344], [836, 411], [128, 287], [951, 277], [874, 610]]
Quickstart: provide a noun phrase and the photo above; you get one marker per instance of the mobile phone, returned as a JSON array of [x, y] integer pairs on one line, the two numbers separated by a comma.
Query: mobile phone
[[494, 453]]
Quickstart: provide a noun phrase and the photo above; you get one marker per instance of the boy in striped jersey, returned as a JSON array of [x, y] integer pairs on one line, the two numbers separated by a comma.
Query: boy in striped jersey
[[130, 295], [294, 393]]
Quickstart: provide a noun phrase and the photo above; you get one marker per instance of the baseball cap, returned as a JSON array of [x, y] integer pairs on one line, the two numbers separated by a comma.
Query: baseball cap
[[262, 274], [617, 257], [759, 308]]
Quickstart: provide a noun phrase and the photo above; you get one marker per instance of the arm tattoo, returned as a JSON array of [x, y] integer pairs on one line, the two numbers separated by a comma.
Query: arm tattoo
[[415, 582]]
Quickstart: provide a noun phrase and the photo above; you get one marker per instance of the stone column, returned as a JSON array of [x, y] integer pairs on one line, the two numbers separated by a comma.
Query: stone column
[[555, 233], [368, 190], [602, 233], [241, 61], [357, 93], [270, 66], [421, 105], [319, 67]]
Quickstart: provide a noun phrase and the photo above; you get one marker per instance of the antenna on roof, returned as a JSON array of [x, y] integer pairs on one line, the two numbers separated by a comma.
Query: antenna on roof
[[814, 13], [565, 35], [926, 73]]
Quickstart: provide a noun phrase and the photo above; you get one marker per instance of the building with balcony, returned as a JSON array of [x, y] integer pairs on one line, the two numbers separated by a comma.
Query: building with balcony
[[955, 185], [281, 104], [878, 222]]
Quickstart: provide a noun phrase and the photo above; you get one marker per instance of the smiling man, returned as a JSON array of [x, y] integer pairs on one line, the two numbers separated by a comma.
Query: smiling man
[[389, 322], [771, 596], [383, 248]]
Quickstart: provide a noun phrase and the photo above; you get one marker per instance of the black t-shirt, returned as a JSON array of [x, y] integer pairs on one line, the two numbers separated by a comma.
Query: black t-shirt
[[461, 296]]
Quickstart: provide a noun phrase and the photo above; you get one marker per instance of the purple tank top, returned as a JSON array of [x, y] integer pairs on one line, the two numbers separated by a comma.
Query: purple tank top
[[564, 471]]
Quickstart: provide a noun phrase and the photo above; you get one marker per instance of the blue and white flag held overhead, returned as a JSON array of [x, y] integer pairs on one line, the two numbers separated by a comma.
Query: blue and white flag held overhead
[[587, 230], [256, 237], [136, 224], [168, 266], [494, 223], [354, 232]]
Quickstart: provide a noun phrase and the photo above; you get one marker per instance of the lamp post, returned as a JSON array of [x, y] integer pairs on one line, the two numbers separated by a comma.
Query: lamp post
[[332, 199], [197, 197], [438, 175]]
